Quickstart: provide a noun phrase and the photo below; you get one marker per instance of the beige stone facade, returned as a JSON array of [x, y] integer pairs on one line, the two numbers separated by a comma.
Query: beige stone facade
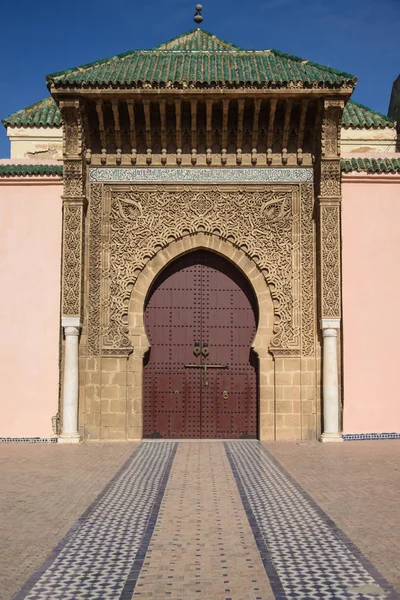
[[272, 241]]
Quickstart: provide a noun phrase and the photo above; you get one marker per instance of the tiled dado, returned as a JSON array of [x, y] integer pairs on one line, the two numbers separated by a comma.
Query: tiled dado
[[347, 437], [28, 440]]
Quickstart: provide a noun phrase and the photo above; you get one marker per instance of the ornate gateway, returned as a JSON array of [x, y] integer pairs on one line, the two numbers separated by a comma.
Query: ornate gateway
[[232, 159]]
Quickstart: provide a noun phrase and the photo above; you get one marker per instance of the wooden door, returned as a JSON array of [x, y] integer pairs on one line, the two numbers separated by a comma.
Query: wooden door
[[200, 377]]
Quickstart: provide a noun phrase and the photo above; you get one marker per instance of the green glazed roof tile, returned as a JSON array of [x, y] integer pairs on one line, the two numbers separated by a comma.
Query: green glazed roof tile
[[41, 114], [371, 165], [197, 39], [200, 59], [22, 170], [359, 116]]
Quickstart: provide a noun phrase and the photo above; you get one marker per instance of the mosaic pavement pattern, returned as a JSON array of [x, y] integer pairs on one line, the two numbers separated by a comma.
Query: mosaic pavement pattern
[[305, 554], [102, 555], [205, 520]]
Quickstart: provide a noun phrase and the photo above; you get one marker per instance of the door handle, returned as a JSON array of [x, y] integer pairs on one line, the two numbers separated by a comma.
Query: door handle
[[196, 349]]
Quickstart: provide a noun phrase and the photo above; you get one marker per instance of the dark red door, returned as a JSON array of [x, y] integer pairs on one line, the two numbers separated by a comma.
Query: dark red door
[[200, 377]]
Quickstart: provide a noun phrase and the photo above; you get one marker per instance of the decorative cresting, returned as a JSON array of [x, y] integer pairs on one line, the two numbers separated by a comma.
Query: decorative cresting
[[73, 208], [271, 224], [329, 209]]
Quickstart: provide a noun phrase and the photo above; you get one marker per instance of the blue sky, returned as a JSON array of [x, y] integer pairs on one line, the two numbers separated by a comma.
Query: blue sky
[[358, 36]]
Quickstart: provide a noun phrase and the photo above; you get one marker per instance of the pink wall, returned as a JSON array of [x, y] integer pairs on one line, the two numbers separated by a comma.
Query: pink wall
[[30, 256], [371, 303]]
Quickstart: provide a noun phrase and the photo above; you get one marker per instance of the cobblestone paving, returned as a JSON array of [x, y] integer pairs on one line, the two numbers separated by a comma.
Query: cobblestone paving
[[358, 485], [44, 489], [213, 531], [203, 546]]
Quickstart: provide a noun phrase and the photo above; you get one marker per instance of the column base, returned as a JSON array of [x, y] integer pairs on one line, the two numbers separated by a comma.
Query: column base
[[69, 438], [331, 437]]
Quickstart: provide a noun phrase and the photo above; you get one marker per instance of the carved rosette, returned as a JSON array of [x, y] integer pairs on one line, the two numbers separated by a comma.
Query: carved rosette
[[135, 221], [329, 209], [73, 208]]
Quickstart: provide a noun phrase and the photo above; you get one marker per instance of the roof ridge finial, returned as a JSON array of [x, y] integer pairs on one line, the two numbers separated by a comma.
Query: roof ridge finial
[[198, 18]]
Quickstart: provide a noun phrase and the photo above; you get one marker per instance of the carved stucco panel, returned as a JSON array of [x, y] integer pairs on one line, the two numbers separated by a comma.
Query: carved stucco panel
[[138, 221], [330, 259], [72, 127], [95, 211], [330, 207], [307, 271], [330, 178], [331, 128], [271, 224], [73, 179], [72, 258]]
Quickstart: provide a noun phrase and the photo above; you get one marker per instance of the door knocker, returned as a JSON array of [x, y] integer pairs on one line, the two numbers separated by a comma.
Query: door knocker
[[225, 395], [196, 349]]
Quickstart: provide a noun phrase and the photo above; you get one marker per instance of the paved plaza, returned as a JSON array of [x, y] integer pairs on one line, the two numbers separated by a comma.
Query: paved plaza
[[226, 520]]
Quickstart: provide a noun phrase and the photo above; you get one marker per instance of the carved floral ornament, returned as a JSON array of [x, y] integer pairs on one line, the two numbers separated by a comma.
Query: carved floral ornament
[[330, 206], [330, 251], [72, 258], [73, 209], [272, 224], [72, 128]]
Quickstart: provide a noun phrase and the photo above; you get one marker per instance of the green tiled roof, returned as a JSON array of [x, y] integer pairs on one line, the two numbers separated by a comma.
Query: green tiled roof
[[359, 116], [371, 165], [197, 39], [12, 170], [198, 59], [41, 114]]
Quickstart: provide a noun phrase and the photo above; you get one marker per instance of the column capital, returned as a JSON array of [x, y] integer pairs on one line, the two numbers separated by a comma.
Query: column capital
[[75, 322], [330, 323]]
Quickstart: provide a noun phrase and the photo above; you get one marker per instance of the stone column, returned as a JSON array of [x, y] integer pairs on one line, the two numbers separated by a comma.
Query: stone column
[[329, 221], [70, 434], [74, 206], [330, 383]]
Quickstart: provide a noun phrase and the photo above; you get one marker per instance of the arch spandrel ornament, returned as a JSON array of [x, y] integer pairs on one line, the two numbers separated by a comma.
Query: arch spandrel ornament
[[199, 241], [270, 224]]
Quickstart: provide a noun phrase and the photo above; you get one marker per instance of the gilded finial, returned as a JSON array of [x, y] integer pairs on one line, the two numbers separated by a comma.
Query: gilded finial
[[198, 16]]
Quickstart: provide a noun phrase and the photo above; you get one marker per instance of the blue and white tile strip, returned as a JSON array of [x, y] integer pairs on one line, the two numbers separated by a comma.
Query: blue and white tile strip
[[348, 437], [28, 440], [305, 554], [200, 175], [101, 556]]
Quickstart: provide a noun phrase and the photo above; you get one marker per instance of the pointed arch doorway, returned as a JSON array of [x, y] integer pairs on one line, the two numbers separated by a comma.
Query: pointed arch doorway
[[200, 375]]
